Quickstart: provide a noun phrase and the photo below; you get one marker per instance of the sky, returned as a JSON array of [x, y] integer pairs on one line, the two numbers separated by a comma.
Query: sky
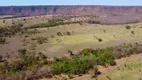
[[71, 2]]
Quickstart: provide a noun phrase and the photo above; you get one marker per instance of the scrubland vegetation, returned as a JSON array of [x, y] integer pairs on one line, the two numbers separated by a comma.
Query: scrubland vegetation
[[50, 23], [78, 64], [81, 63], [12, 30]]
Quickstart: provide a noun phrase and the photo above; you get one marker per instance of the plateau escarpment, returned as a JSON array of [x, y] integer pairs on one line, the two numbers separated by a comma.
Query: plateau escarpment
[[104, 14], [70, 10]]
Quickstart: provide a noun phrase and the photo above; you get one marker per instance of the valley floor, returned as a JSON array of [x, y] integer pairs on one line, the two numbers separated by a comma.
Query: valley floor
[[57, 41], [79, 37]]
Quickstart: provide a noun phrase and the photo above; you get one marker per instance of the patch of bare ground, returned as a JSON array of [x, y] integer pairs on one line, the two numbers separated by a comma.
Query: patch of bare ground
[[9, 50]]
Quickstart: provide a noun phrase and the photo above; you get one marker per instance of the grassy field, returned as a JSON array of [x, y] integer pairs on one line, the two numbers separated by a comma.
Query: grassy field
[[87, 36], [129, 70], [81, 36]]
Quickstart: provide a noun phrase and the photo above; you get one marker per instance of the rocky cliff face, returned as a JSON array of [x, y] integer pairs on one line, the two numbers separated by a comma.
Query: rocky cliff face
[[70, 10]]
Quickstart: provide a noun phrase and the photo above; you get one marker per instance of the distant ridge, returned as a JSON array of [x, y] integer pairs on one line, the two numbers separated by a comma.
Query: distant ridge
[[70, 10]]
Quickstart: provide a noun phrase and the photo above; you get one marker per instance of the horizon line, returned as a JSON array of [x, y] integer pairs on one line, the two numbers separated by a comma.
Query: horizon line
[[72, 5]]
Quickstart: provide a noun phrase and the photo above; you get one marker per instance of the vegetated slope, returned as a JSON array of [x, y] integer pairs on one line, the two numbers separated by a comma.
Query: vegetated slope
[[131, 65]]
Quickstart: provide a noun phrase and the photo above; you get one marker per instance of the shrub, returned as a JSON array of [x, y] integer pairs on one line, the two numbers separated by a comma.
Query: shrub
[[100, 40], [127, 50], [52, 36], [3, 21], [40, 40], [94, 22], [9, 31], [95, 71], [3, 67], [70, 53], [128, 27], [41, 55], [104, 31], [59, 34], [68, 33], [31, 61], [75, 65], [85, 51], [16, 66], [2, 40], [26, 61], [22, 52], [133, 32], [106, 58]]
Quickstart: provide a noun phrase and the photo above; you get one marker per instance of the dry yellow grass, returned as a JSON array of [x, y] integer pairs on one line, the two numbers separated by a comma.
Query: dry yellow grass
[[130, 69], [87, 34], [83, 36]]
